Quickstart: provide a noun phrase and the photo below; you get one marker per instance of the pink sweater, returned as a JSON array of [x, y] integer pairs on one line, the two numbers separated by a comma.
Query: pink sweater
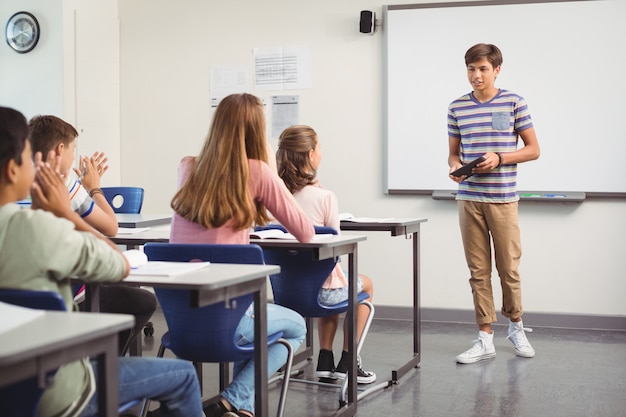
[[322, 208], [265, 187]]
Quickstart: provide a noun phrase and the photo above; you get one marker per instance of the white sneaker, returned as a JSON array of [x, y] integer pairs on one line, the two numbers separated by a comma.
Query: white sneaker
[[483, 349], [517, 335]]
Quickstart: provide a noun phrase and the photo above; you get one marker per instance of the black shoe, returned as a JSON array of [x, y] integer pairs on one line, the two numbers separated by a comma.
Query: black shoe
[[215, 410], [363, 376], [325, 365]]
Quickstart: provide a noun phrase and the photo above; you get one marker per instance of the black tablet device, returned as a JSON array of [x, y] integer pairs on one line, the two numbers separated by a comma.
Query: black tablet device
[[467, 168]]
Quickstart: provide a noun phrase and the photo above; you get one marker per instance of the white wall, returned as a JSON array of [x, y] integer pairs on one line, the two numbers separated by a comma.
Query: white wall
[[72, 73], [573, 253], [33, 83]]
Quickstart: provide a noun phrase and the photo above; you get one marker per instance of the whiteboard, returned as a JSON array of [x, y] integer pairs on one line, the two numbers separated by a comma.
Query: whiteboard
[[566, 58]]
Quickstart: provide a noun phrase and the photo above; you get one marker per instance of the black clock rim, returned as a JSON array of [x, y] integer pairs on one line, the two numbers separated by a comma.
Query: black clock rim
[[37, 33]]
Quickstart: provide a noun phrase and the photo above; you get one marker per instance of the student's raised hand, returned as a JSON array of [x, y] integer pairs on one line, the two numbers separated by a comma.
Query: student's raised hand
[[49, 191], [92, 169]]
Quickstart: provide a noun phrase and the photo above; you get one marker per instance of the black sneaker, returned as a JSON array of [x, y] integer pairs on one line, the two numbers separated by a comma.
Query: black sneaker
[[363, 376], [325, 365], [215, 410]]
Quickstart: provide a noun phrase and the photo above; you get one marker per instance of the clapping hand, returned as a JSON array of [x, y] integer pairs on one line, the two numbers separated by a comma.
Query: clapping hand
[[91, 170], [49, 191]]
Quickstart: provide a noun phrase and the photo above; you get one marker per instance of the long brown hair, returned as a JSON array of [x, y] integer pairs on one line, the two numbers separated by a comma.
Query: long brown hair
[[292, 157], [217, 187]]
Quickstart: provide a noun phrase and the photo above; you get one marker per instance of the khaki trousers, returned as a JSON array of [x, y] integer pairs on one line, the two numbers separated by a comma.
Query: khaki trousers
[[480, 223]]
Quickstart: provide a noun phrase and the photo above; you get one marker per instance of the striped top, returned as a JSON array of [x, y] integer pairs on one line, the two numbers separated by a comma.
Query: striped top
[[79, 197], [493, 126]]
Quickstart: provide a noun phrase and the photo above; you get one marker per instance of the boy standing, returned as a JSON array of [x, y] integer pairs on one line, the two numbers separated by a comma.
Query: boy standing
[[41, 248], [487, 122]]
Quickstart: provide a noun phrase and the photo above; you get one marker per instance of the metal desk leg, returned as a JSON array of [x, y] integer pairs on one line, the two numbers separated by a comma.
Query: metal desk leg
[[417, 326], [350, 408], [260, 352]]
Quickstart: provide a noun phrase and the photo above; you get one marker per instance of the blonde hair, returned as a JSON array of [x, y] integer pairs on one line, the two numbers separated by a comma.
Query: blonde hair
[[292, 157], [217, 187]]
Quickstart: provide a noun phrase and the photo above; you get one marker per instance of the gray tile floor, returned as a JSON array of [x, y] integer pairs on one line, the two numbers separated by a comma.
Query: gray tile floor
[[575, 373]]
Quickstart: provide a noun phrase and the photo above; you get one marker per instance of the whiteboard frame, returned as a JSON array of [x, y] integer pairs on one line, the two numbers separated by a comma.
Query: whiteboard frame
[[386, 104]]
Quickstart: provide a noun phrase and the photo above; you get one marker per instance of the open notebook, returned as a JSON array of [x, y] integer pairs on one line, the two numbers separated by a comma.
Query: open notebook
[[279, 234]]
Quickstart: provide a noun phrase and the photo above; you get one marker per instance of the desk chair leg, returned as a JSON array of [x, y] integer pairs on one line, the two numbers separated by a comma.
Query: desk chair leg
[[287, 367], [198, 366], [224, 375], [307, 353], [366, 328]]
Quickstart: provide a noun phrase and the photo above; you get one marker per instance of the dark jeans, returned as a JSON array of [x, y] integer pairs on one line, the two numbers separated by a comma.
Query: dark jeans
[[127, 300]]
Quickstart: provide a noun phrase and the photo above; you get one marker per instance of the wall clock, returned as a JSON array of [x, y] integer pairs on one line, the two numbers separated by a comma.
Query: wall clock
[[22, 32]]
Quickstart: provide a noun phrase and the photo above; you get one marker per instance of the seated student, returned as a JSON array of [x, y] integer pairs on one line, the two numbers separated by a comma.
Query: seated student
[[298, 158], [50, 134], [43, 246], [224, 191]]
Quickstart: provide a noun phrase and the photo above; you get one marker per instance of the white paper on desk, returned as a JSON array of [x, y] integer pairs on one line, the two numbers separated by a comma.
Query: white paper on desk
[[166, 269], [347, 217], [271, 234], [12, 316], [131, 230], [279, 234]]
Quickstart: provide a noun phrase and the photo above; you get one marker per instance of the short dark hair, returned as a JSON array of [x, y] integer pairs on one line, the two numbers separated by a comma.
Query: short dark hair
[[484, 50], [47, 131], [13, 136]]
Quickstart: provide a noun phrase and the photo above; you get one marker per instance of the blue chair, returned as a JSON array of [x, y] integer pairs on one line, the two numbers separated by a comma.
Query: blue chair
[[207, 334], [21, 399], [297, 287], [124, 199]]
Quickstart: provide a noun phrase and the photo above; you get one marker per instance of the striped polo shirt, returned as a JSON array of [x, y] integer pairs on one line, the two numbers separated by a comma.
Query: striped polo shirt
[[489, 127], [79, 197]]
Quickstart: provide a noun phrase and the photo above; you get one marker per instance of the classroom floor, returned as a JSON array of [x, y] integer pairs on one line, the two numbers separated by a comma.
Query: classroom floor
[[575, 373]]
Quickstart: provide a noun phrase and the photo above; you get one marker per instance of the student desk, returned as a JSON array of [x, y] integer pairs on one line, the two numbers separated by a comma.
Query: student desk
[[401, 227], [324, 248], [46, 342], [132, 220], [217, 283], [134, 240]]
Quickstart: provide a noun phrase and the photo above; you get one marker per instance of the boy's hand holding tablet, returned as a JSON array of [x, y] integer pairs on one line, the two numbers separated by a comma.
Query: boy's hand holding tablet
[[467, 168]]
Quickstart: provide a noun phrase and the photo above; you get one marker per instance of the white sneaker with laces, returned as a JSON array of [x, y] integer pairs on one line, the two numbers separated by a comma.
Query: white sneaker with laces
[[483, 349], [517, 335]]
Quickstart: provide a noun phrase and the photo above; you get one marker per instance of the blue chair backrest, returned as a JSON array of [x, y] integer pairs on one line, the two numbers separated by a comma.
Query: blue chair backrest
[[197, 334], [124, 199], [20, 399], [42, 300], [301, 277]]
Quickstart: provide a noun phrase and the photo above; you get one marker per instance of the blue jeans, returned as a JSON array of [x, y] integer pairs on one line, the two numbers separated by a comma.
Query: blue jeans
[[173, 382], [240, 393]]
